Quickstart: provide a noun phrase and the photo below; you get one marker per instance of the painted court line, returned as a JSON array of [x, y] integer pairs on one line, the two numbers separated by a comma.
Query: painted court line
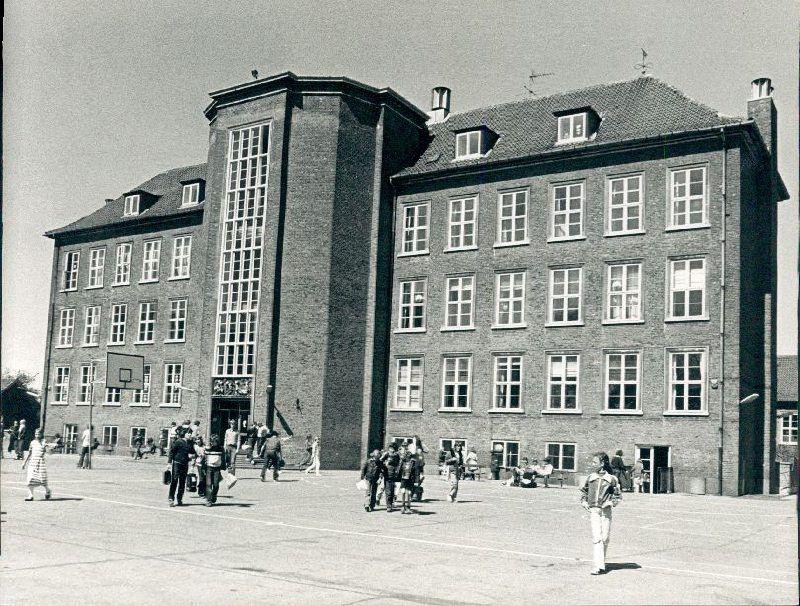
[[374, 535]]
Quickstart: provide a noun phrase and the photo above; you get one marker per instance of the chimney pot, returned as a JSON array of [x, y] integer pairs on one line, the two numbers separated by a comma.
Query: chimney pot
[[761, 88], [109, 200], [440, 103]]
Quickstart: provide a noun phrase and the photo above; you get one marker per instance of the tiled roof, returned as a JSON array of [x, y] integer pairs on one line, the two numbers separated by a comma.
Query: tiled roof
[[787, 378], [634, 109], [166, 186]]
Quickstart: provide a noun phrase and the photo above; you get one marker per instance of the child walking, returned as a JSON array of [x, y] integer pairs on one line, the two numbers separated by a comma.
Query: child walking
[[599, 495], [408, 476], [37, 469], [371, 472], [314, 457]]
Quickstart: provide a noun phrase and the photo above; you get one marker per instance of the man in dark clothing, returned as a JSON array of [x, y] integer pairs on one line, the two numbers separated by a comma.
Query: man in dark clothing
[[371, 472], [391, 474], [272, 455], [214, 464], [180, 453]]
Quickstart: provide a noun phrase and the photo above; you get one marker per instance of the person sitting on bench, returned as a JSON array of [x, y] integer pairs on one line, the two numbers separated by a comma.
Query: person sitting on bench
[[471, 467], [519, 473], [544, 470]]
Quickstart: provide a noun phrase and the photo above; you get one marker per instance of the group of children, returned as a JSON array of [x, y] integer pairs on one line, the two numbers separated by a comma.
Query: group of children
[[207, 461]]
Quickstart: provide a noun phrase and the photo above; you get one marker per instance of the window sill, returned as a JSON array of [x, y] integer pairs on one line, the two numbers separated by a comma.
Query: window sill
[[98, 287], [562, 324], [524, 242], [405, 410], [90, 345], [691, 319], [456, 328], [687, 227], [615, 322], [683, 413], [509, 326], [148, 281], [552, 239], [165, 405], [63, 347], [59, 403], [787, 443], [617, 234], [513, 411], [622, 413], [414, 254], [554, 411], [140, 405], [83, 404], [177, 278], [456, 410], [398, 331], [468, 157], [116, 404], [144, 342], [174, 340], [121, 343], [460, 249], [69, 289], [572, 141], [121, 283]]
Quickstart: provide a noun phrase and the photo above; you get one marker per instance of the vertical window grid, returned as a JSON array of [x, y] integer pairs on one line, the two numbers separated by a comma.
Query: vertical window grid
[[61, 385], [468, 145], [69, 279], [460, 294], [173, 380], [625, 205], [567, 211], [565, 295], [624, 292], [507, 383], [113, 395], [135, 432], [687, 381], [687, 288], [131, 205], [122, 265], [462, 223], [181, 257], [622, 381], [562, 455], [412, 305], [148, 311], [110, 435], [510, 452], [86, 391], [151, 260], [242, 243], [97, 265], [408, 390], [688, 197], [456, 382], [572, 128], [788, 430], [91, 325], [191, 194], [177, 320], [119, 317], [510, 297], [415, 228], [66, 328], [142, 396], [512, 218], [562, 382]]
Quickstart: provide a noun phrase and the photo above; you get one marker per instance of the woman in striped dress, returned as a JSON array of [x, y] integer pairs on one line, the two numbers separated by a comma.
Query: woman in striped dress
[[37, 470]]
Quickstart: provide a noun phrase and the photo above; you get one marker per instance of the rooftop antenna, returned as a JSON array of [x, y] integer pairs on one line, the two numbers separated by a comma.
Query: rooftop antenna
[[254, 73], [532, 80], [643, 66]]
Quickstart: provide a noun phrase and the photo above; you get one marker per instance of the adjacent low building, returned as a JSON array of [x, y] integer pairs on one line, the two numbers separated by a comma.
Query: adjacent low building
[[554, 276]]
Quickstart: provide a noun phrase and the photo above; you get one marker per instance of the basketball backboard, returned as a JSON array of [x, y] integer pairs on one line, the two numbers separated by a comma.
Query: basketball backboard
[[124, 371]]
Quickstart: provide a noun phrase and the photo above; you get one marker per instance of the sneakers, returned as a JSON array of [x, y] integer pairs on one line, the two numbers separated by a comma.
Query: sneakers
[[595, 573], [209, 504], [47, 495], [172, 503], [29, 498]]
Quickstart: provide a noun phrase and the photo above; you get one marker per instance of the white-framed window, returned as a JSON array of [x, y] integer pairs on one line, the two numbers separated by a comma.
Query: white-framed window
[[61, 385], [447, 444], [135, 433], [131, 205], [509, 299], [242, 242], [688, 205], [148, 311], [110, 435], [86, 390], [97, 265], [624, 292], [507, 383], [562, 455], [415, 228], [69, 277], [460, 302], [687, 381], [572, 128], [408, 388], [512, 218], [91, 325], [173, 381], [462, 224], [622, 384], [119, 320], [566, 212], [70, 435], [181, 257], [142, 396], [191, 194], [510, 452], [413, 299], [456, 382], [625, 205], [113, 396], [468, 145], [563, 377], [565, 295], [66, 327], [787, 429], [122, 264], [151, 260], [687, 289], [177, 320]]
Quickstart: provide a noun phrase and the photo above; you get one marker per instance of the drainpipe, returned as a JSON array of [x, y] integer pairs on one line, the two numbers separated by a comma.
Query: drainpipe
[[722, 239]]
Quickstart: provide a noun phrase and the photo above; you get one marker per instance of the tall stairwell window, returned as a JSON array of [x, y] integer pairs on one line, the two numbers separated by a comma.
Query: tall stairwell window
[[242, 242]]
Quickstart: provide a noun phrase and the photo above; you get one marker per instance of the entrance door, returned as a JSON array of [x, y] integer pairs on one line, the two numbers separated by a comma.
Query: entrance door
[[225, 410], [653, 458], [70, 437]]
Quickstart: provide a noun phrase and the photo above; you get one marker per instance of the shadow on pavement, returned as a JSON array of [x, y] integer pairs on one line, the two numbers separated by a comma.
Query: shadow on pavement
[[622, 566], [64, 499]]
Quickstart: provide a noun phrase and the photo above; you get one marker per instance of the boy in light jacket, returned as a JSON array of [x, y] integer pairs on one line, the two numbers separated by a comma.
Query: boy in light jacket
[[599, 495]]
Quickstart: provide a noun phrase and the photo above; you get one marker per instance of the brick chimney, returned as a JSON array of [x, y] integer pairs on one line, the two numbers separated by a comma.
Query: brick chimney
[[761, 109]]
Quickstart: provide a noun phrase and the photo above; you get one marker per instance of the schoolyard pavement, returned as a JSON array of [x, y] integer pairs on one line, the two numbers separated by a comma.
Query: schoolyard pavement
[[108, 536]]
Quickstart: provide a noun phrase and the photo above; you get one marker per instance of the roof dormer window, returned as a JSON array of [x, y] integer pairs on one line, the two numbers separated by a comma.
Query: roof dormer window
[[468, 145], [191, 194], [572, 128], [131, 205]]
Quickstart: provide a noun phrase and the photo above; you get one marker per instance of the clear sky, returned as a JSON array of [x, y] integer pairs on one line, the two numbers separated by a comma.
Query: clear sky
[[99, 96]]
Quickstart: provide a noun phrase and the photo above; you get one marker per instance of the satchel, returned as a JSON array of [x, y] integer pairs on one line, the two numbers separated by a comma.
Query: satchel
[[167, 477], [191, 482]]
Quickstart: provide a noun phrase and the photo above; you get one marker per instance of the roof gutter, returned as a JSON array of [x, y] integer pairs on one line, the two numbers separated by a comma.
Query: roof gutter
[[141, 222]]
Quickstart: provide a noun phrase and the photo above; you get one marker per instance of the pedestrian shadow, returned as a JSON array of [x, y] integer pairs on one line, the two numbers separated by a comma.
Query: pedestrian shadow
[[622, 566], [232, 505], [64, 499], [424, 513]]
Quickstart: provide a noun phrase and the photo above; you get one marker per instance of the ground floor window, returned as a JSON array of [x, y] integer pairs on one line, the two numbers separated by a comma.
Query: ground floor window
[[113, 395], [110, 435], [562, 455], [448, 443], [510, 451], [70, 435], [135, 433], [788, 429]]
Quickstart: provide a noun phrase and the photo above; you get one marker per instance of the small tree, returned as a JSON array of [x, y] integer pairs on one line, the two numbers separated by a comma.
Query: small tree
[[19, 401]]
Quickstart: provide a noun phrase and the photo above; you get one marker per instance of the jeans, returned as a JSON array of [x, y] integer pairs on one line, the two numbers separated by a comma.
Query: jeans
[[369, 493], [230, 457], [271, 458], [83, 460], [213, 477], [179, 471], [453, 484], [600, 519], [389, 490]]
